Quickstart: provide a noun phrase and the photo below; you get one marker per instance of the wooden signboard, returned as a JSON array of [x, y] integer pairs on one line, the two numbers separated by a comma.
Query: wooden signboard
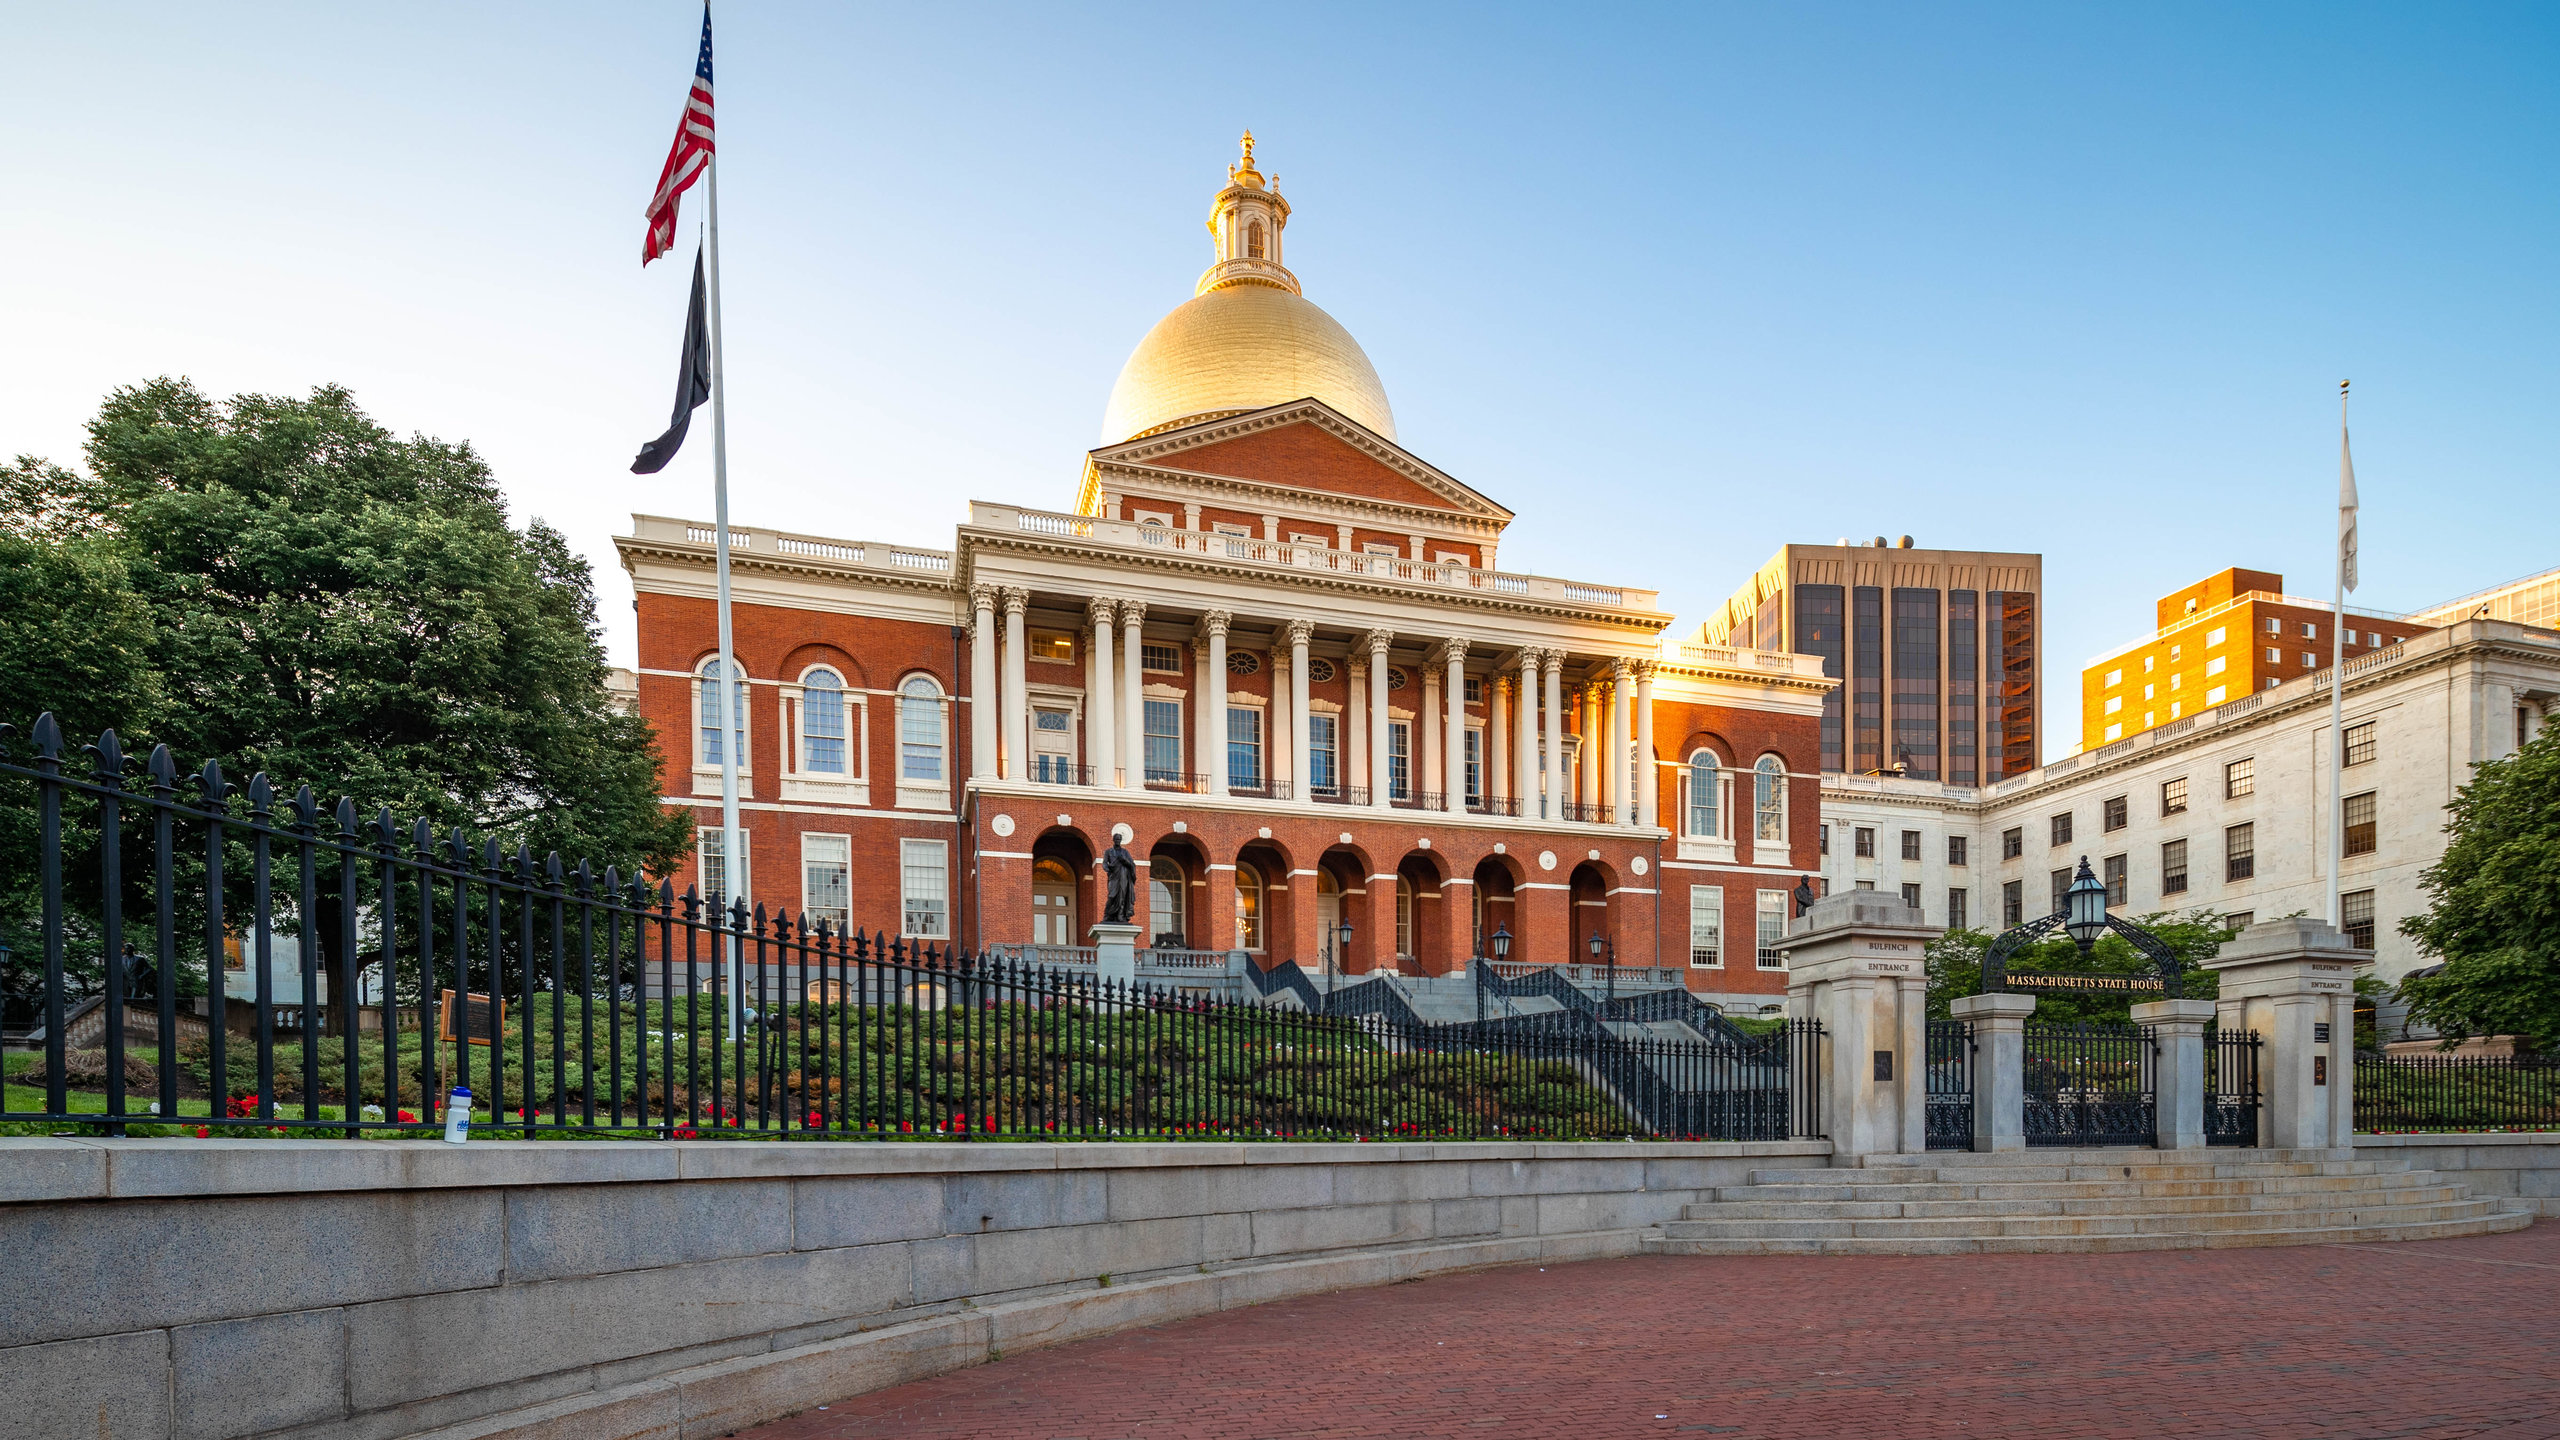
[[482, 1015]]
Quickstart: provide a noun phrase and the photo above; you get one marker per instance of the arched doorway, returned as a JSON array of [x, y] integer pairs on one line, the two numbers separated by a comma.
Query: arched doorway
[[1053, 903], [1168, 902], [1328, 918], [1496, 904]]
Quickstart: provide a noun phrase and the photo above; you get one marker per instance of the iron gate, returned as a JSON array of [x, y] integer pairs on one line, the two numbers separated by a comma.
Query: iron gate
[[1950, 1085], [2230, 1087], [2090, 1085]]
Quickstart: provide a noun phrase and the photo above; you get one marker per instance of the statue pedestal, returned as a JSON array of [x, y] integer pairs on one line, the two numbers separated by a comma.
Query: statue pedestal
[[1115, 954]]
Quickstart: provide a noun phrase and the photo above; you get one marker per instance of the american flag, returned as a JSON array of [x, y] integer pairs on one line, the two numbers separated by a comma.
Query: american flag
[[685, 162]]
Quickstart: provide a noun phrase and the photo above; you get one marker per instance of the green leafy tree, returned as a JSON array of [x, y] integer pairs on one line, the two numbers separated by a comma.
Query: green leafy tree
[[293, 589], [2494, 912], [1955, 966]]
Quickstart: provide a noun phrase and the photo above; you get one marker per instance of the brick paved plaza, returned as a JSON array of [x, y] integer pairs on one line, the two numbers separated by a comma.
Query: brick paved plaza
[[2436, 1339]]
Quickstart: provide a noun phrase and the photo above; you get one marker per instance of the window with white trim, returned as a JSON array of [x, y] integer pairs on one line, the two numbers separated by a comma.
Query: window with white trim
[[1772, 916], [924, 890], [823, 733], [706, 730], [1706, 927], [1322, 776], [1399, 760], [920, 731], [1769, 800], [1705, 798], [826, 881], [1244, 748], [712, 877]]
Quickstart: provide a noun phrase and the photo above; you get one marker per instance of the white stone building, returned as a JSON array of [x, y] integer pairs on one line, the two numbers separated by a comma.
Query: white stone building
[[2226, 809]]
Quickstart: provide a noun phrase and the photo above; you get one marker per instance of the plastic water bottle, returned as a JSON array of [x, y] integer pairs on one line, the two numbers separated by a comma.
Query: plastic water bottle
[[457, 1116]]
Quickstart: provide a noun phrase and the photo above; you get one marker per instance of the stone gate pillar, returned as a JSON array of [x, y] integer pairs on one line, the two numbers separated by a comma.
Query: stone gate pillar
[[1857, 963], [2177, 1069], [1999, 1022], [2294, 982]]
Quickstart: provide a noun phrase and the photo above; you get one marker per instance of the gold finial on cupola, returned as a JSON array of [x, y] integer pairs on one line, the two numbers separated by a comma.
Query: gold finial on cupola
[[1242, 172]]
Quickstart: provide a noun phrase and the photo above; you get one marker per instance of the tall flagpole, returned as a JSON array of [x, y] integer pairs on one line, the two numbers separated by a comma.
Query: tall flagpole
[[2337, 680], [733, 861]]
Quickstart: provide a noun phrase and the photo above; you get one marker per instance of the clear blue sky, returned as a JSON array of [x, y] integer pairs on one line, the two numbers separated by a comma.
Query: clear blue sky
[[1676, 285]]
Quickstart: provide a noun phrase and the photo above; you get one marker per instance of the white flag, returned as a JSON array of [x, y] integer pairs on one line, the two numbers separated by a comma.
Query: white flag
[[2346, 512]]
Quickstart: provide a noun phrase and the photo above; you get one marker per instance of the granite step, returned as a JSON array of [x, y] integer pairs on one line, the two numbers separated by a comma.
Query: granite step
[[1870, 1209], [1986, 1226], [2496, 1222]]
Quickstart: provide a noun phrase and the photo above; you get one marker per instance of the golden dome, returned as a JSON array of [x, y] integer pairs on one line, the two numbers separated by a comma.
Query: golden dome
[[1242, 348], [1247, 338]]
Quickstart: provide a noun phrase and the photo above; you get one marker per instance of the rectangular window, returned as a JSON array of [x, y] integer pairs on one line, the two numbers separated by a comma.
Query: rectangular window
[[2214, 636], [2274, 656], [1865, 841], [2360, 746], [1866, 603], [920, 733], [2310, 661], [2013, 843], [1475, 765], [1955, 850], [1049, 645], [2173, 868], [713, 877], [925, 898], [2114, 678], [1399, 760], [2062, 828], [1773, 928], [1910, 844], [2114, 704], [2214, 666], [1915, 683], [1244, 748], [2214, 695], [1475, 689], [2240, 779], [1956, 917], [2061, 887], [707, 732], [2275, 627], [1964, 687], [2310, 631], [826, 881], [2119, 886], [1161, 659], [1821, 631], [1706, 927], [1322, 776], [2359, 828], [1823, 831], [2112, 814], [1911, 896], [2239, 920], [2239, 853], [2173, 797], [2013, 904], [1164, 742], [2355, 915]]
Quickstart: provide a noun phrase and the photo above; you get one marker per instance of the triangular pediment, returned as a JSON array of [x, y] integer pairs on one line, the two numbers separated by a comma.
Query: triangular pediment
[[1304, 445]]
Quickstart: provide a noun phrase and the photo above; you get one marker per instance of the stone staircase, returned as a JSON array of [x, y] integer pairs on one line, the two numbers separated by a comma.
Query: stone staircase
[[2044, 1201]]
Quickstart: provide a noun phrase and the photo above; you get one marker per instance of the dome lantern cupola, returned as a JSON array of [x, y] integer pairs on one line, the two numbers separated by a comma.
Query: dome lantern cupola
[[1245, 222], [1248, 337]]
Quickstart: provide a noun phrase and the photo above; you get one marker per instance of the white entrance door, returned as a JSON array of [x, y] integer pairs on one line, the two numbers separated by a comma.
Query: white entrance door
[[1053, 904]]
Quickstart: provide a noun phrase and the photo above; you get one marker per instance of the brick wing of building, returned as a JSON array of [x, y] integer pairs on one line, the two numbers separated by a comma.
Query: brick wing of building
[[1271, 649]]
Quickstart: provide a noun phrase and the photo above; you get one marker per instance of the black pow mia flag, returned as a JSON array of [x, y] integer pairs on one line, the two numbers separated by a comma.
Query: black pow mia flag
[[693, 383]]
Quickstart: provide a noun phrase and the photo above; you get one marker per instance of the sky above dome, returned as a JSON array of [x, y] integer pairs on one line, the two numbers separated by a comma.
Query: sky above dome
[[1676, 285]]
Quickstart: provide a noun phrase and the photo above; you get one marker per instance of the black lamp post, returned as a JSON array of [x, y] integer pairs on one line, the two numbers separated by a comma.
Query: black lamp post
[[1600, 946], [1499, 942], [2084, 918], [1342, 937]]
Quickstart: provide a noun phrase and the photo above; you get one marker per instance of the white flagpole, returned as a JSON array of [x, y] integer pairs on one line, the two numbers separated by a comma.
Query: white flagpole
[[732, 860], [2337, 683]]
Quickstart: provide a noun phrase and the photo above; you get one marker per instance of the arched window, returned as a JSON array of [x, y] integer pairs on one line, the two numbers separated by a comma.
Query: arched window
[[1168, 890], [707, 749], [822, 733], [920, 730], [1704, 802], [1769, 800], [1248, 908], [1253, 241], [1404, 918]]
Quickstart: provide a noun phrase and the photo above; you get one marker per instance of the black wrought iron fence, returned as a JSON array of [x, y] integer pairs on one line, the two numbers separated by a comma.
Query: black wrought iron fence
[[2230, 1086], [2090, 1084], [2456, 1092], [1949, 1084], [353, 971]]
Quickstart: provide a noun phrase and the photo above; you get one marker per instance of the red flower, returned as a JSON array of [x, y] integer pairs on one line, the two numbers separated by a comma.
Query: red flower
[[685, 1132], [991, 1123], [907, 1127], [204, 1132], [409, 1117]]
